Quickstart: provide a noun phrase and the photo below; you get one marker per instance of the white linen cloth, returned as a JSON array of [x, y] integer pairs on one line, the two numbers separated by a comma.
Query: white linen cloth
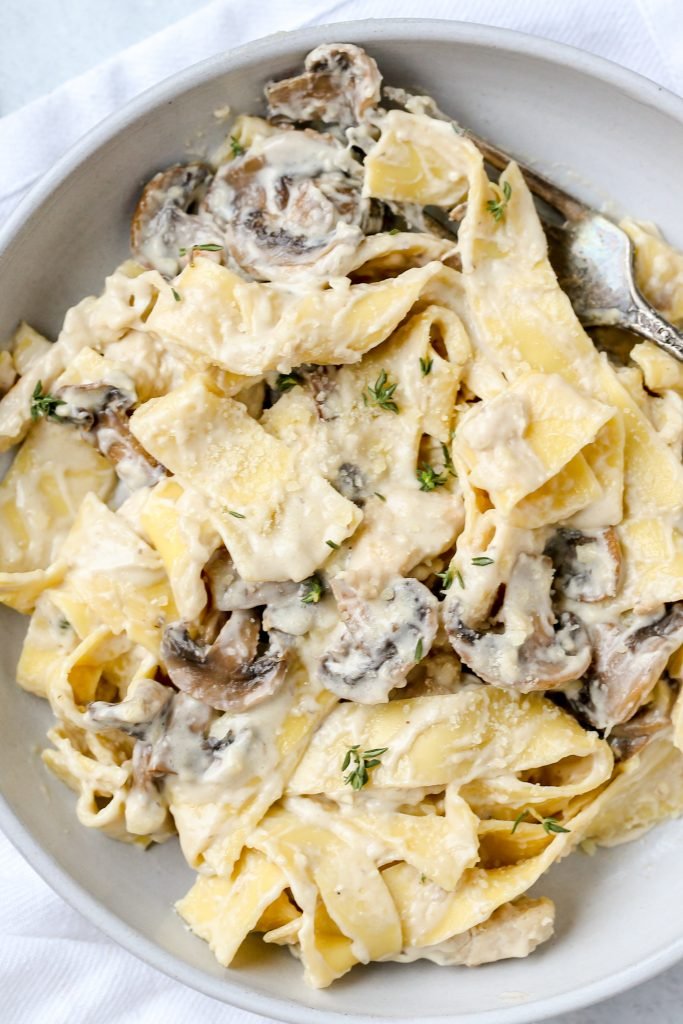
[[56, 968]]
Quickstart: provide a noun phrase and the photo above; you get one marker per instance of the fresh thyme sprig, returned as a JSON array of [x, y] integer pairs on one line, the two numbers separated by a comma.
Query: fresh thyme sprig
[[236, 147], [382, 393], [550, 825], [497, 207], [360, 765], [44, 404], [429, 478], [426, 365], [446, 579], [312, 590]]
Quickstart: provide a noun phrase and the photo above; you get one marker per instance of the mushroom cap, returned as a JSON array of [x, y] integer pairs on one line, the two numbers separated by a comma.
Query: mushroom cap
[[293, 200], [164, 221], [628, 661], [339, 85], [587, 564], [102, 407], [377, 642], [528, 648], [226, 675]]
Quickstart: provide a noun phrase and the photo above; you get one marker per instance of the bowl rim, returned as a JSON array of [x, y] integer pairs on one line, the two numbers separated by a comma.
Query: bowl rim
[[228, 990]]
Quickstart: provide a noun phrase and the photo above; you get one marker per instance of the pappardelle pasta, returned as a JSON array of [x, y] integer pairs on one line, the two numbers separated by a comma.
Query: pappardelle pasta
[[351, 558]]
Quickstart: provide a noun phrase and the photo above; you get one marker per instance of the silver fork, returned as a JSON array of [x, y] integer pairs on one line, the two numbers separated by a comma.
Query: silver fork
[[593, 259]]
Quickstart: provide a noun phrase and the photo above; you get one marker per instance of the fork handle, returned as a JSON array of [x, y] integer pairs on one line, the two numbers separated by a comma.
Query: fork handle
[[646, 321]]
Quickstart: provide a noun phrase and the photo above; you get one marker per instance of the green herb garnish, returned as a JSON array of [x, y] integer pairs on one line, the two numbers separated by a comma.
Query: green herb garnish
[[429, 478], [395, 231], [286, 381], [360, 765], [496, 207], [482, 560], [237, 515], [380, 496], [313, 590], [204, 247], [236, 147], [382, 394], [550, 825], [176, 295], [448, 461], [426, 365], [44, 404], [458, 576], [331, 544], [418, 650], [446, 578]]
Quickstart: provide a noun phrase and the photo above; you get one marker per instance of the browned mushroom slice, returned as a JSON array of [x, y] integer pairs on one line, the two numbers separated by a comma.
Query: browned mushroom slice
[[164, 221], [291, 201], [587, 564], [226, 675], [339, 84], [102, 408], [379, 641], [628, 661], [527, 647], [629, 738]]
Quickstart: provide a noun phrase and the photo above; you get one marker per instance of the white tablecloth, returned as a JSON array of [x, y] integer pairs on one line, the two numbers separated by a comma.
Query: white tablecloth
[[55, 968]]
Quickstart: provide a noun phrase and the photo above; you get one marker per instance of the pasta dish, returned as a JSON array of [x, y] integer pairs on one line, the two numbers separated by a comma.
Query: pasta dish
[[351, 559]]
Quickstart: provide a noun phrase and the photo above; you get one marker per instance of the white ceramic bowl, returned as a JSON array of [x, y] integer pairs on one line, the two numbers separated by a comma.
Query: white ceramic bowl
[[611, 136]]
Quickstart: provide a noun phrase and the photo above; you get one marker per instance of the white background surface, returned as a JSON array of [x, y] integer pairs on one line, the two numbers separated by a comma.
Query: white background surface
[[51, 961]]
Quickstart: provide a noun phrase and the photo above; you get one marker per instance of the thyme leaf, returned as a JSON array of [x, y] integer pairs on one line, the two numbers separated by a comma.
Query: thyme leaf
[[426, 365], [286, 381], [429, 478], [446, 578], [236, 147], [382, 393], [312, 590], [418, 650], [360, 765], [550, 825], [44, 404], [482, 560], [497, 207]]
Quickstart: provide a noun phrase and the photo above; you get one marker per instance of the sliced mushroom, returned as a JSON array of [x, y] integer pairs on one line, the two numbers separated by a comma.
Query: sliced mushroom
[[629, 738], [136, 713], [351, 483], [378, 641], [293, 200], [164, 221], [527, 647], [283, 606], [102, 408], [587, 564], [339, 84], [227, 675], [628, 661]]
